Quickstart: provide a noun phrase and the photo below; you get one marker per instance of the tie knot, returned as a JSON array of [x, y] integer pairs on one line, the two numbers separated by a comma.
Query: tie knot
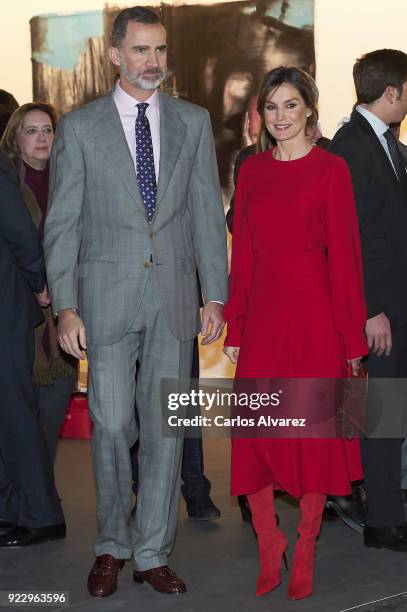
[[142, 107]]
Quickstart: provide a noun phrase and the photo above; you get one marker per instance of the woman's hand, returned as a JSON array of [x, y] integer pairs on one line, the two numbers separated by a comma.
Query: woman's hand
[[355, 363], [232, 352]]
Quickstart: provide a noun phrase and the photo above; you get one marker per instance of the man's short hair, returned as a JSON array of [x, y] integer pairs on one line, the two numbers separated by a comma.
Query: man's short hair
[[375, 71], [138, 14]]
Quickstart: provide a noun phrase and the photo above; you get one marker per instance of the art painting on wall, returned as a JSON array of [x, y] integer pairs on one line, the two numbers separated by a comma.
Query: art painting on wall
[[218, 54]]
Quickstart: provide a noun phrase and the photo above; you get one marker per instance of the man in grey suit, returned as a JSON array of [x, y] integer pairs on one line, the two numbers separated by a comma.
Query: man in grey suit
[[135, 210]]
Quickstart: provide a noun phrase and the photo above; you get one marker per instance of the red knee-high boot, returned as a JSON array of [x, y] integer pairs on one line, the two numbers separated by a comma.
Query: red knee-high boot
[[270, 540], [302, 573]]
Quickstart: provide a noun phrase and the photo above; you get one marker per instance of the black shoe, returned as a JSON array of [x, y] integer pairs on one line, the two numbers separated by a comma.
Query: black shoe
[[330, 515], [202, 508], [349, 511], [393, 538], [25, 536], [5, 524]]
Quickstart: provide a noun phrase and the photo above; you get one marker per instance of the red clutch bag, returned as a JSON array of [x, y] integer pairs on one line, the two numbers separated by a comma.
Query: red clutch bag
[[349, 373]]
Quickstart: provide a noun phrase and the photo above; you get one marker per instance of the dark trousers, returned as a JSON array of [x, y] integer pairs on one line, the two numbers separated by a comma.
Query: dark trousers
[[53, 402], [387, 409], [192, 470], [27, 491]]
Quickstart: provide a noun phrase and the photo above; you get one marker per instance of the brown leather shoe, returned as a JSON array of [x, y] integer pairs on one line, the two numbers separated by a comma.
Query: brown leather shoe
[[162, 579], [102, 579]]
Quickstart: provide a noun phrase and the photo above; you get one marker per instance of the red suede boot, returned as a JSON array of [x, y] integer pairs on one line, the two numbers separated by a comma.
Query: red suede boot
[[301, 581], [270, 540]]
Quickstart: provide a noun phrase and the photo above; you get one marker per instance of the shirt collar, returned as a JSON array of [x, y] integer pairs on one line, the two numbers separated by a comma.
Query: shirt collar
[[127, 104], [379, 126]]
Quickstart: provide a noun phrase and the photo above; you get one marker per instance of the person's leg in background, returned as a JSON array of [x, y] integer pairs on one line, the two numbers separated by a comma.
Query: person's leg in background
[[9, 506], [28, 494], [381, 451], [403, 479], [196, 487], [55, 374], [53, 402]]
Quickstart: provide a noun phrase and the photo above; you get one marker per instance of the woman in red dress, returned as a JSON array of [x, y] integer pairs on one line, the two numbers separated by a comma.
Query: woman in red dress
[[296, 310]]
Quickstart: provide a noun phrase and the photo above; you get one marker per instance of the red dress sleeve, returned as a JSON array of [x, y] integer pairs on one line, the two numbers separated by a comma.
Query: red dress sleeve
[[345, 262], [241, 265]]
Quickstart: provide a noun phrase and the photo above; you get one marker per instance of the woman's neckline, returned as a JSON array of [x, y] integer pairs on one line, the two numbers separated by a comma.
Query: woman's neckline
[[291, 161], [35, 170]]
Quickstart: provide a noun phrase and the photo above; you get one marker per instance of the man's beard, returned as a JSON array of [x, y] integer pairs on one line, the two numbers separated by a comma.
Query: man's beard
[[139, 81]]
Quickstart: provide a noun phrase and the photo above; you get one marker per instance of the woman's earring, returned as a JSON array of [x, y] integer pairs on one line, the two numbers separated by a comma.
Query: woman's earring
[[309, 113]]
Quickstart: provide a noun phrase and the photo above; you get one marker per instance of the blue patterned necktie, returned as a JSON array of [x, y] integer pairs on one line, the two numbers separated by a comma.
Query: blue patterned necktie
[[145, 162]]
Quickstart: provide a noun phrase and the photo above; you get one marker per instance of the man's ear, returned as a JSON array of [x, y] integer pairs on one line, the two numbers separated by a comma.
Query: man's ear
[[391, 94], [114, 56]]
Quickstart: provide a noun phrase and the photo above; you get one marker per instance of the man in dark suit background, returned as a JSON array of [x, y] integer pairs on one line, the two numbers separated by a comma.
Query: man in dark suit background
[[380, 186], [29, 503]]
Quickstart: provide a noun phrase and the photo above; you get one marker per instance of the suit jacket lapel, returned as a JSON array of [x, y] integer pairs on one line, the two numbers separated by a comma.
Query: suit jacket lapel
[[377, 146], [172, 137], [109, 135]]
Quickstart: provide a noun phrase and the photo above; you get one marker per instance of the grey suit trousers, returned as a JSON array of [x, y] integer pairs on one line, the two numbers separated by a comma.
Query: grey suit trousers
[[112, 392]]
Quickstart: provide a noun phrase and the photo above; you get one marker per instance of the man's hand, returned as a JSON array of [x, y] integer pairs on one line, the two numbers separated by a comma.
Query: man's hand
[[212, 322], [71, 333], [43, 297], [232, 352], [378, 334]]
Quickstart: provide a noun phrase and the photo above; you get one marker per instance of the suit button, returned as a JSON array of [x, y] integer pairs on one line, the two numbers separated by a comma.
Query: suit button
[[146, 264], [152, 235]]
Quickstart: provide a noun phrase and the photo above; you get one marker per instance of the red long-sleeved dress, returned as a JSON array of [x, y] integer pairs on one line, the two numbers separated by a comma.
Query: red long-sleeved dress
[[296, 307]]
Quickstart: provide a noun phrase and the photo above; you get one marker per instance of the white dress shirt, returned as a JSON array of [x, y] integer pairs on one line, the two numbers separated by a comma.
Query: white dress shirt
[[127, 109], [379, 128]]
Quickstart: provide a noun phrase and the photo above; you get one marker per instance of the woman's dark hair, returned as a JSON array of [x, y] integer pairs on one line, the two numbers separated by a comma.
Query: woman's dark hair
[[306, 87], [375, 71], [8, 105], [10, 139]]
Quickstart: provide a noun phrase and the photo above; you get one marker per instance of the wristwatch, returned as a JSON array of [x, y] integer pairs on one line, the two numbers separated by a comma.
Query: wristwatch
[[55, 315]]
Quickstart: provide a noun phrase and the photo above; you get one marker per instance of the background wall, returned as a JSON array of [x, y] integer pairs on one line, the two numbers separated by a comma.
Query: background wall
[[344, 29]]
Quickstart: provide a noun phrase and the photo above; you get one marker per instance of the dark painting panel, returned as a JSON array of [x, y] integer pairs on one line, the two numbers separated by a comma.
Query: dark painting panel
[[218, 55]]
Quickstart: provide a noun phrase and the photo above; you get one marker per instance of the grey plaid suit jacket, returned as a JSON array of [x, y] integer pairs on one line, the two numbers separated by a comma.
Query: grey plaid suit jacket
[[97, 239]]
